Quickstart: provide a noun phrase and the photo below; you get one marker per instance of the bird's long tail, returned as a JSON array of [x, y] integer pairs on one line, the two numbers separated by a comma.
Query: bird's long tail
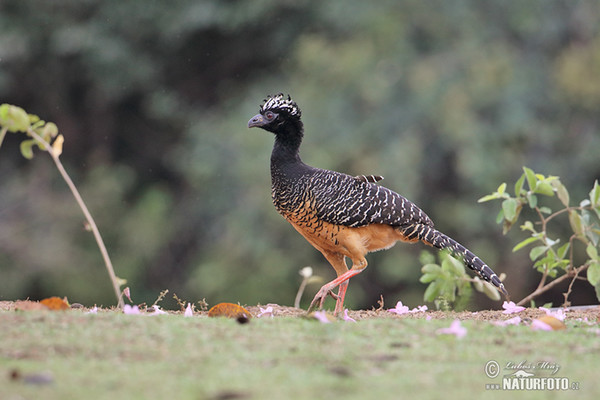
[[432, 237]]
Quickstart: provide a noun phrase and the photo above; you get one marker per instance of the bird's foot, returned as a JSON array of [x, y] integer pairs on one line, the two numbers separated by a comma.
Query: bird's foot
[[320, 297]]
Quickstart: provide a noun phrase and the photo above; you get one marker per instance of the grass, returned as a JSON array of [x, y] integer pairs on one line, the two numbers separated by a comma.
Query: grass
[[111, 355]]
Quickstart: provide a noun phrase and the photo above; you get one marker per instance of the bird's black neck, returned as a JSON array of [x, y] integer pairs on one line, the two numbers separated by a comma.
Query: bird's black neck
[[287, 145]]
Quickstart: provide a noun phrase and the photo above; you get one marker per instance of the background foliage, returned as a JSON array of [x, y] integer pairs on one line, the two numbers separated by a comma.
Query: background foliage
[[444, 99]]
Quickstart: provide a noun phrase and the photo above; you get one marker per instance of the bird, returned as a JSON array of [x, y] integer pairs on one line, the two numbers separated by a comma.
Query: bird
[[344, 216]]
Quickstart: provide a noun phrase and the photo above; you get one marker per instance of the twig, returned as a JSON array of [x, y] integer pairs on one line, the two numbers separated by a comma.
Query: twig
[[300, 292], [86, 213], [568, 292], [2, 135], [550, 285]]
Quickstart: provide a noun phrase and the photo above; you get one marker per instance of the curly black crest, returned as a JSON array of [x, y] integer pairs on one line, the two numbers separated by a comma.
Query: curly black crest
[[279, 103]]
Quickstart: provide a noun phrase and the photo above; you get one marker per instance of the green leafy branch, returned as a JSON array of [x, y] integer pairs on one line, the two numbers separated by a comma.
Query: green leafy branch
[[41, 134], [551, 255], [449, 284]]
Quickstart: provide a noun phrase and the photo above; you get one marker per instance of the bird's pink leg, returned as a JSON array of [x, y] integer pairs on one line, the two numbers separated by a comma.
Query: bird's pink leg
[[327, 290]]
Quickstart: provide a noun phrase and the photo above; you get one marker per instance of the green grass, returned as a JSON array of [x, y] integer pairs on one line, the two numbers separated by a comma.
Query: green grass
[[116, 356]]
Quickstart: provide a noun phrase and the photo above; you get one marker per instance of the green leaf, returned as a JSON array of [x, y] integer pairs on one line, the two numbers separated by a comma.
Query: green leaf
[[500, 217], [519, 185], [524, 243], [453, 266], [593, 274], [426, 258], [531, 178], [50, 131], [544, 188], [532, 199], [27, 148], [448, 290], [426, 278], [595, 195], [562, 250], [576, 223], [490, 291], [493, 196], [561, 192], [528, 226], [502, 188], [432, 291], [591, 251], [546, 210], [509, 206], [536, 252], [14, 118], [431, 269], [478, 284]]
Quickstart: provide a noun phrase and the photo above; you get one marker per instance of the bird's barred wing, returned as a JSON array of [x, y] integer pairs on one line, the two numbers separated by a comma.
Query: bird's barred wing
[[368, 178], [345, 200]]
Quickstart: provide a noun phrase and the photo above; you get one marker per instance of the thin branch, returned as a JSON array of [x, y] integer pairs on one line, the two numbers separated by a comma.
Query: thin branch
[[2, 135], [550, 285], [568, 292], [86, 213]]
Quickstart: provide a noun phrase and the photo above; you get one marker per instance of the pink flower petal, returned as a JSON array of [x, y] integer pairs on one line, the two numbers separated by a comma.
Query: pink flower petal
[[157, 311], [455, 329], [188, 311], [538, 325], [127, 309], [418, 309], [265, 312], [399, 309], [93, 310], [347, 318], [510, 307], [321, 316], [559, 314]]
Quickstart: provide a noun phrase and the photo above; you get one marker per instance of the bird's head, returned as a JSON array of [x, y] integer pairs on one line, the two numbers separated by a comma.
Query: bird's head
[[276, 114]]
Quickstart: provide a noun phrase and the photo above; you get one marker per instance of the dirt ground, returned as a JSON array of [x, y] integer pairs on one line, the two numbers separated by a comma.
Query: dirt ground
[[588, 313]]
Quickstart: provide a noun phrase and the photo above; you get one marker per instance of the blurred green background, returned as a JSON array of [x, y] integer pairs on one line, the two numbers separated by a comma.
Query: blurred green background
[[445, 99]]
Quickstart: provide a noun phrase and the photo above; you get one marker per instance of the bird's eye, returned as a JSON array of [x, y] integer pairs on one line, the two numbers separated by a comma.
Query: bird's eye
[[269, 115]]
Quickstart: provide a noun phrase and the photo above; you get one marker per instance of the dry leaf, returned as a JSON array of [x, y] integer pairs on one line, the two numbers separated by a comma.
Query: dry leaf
[[55, 303], [555, 323], [229, 310]]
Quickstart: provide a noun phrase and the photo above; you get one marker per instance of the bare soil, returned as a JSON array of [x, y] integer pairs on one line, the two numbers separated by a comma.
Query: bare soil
[[589, 313]]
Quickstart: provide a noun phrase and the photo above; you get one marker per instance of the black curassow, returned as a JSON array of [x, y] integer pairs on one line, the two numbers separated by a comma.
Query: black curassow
[[342, 215]]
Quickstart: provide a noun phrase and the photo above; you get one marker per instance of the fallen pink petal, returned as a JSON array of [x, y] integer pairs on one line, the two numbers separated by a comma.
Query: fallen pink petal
[[157, 311], [399, 309], [559, 314], [265, 312], [455, 329], [510, 307], [419, 309], [346, 317], [127, 309], [188, 311], [321, 316], [93, 310], [538, 325]]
